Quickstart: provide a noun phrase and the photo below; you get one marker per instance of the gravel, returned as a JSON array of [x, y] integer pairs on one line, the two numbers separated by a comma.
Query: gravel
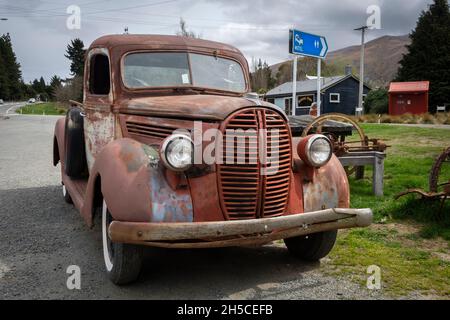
[[41, 236]]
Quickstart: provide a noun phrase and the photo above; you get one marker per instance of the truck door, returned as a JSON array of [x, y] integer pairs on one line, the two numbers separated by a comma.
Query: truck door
[[99, 121]]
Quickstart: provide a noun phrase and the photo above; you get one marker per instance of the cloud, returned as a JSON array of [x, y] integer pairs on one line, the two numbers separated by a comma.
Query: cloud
[[333, 19], [259, 28]]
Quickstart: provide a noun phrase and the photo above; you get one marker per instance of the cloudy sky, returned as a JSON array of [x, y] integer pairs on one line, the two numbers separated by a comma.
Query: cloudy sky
[[259, 28]]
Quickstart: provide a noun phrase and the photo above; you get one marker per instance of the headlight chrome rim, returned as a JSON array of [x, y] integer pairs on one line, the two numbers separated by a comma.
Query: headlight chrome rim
[[308, 150], [165, 148]]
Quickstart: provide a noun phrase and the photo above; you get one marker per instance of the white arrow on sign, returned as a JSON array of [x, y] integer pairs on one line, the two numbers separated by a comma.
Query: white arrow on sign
[[324, 47]]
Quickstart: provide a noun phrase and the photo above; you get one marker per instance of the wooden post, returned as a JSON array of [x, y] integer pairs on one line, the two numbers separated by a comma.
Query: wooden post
[[359, 173]]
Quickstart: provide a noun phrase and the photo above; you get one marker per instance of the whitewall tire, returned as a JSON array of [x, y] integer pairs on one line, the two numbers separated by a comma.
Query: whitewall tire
[[66, 195], [123, 262]]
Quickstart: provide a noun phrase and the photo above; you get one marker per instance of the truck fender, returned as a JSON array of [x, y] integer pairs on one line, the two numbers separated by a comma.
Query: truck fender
[[134, 186], [325, 187]]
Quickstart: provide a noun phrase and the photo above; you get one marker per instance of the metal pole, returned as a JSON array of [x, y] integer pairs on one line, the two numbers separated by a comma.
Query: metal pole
[[294, 86], [361, 69], [319, 71]]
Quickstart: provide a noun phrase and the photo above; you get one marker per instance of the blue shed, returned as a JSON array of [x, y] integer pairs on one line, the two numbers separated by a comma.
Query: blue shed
[[338, 94]]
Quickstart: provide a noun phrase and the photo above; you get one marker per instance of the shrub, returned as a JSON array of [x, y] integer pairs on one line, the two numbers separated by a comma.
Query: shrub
[[386, 119], [426, 118], [377, 102]]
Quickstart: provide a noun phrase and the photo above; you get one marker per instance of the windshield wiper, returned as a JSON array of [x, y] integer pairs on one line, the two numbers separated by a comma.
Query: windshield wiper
[[189, 90]]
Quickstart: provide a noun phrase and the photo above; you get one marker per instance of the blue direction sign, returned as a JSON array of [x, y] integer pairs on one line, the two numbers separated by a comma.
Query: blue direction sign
[[307, 44]]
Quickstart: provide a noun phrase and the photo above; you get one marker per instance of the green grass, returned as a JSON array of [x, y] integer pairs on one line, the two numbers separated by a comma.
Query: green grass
[[407, 166], [404, 268], [408, 259], [47, 108]]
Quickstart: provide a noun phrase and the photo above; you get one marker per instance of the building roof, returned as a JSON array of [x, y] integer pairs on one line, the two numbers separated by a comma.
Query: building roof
[[307, 85], [417, 86]]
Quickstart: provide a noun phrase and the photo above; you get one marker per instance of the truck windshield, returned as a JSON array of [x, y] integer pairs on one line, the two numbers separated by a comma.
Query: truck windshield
[[171, 69]]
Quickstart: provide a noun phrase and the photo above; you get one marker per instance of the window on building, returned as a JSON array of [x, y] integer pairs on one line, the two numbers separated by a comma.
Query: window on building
[[271, 101], [335, 98], [99, 81], [305, 101]]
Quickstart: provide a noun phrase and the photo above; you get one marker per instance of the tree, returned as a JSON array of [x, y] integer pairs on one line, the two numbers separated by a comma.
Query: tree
[[305, 66], [71, 90], [428, 55], [10, 74], [28, 91], [55, 84], [261, 78], [4, 87], [39, 86], [184, 32], [75, 53], [377, 101]]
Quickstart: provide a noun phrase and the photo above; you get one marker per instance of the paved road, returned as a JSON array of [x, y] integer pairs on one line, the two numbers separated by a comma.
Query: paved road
[[8, 108], [40, 236]]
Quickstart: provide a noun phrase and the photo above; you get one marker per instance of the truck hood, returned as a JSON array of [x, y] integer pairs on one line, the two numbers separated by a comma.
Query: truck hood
[[199, 107]]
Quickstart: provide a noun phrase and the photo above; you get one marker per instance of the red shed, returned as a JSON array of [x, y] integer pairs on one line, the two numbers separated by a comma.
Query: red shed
[[408, 97]]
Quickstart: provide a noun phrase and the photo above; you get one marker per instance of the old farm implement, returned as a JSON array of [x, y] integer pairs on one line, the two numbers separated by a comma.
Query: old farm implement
[[439, 181], [355, 151]]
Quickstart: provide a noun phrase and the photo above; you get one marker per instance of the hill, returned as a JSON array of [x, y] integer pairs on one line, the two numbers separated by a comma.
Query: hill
[[382, 56]]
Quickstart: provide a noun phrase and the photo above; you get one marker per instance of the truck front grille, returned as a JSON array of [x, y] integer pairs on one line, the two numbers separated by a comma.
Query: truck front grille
[[149, 130], [246, 193]]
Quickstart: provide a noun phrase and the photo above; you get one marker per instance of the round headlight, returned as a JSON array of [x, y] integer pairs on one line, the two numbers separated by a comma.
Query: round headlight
[[177, 152], [317, 150]]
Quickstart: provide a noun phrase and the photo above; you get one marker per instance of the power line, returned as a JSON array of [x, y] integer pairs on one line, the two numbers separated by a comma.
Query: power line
[[51, 13], [52, 10]]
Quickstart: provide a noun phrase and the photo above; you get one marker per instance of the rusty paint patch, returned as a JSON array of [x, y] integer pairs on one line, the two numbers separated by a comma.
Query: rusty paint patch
[[329, 188], [168, 205], [129, 157]]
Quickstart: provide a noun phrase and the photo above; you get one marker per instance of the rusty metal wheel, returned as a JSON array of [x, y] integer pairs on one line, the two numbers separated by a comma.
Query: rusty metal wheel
[[440, 172], [339, 144]]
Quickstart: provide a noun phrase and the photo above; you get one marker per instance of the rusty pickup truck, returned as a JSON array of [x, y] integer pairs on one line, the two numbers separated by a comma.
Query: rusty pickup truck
[[170, 149]]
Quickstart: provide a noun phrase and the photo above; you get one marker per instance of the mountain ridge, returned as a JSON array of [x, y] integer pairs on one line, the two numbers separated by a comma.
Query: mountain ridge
[[382, 57]]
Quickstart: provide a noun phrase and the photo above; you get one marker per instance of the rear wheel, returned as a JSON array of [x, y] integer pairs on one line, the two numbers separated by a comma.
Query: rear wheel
[[312, 247], [123, 262]]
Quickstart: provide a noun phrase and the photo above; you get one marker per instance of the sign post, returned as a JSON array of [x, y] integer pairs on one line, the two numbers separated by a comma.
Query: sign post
[[319, 67], [294, 86], [310, 45]]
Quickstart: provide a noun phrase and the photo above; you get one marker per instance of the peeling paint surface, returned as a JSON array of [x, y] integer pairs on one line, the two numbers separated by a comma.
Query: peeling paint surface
[[167, 204], [98, 132], [329, 188]]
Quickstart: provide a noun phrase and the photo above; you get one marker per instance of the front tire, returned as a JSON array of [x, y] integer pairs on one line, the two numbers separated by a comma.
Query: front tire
[[312, 247], [66, 195], [123, 262]]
